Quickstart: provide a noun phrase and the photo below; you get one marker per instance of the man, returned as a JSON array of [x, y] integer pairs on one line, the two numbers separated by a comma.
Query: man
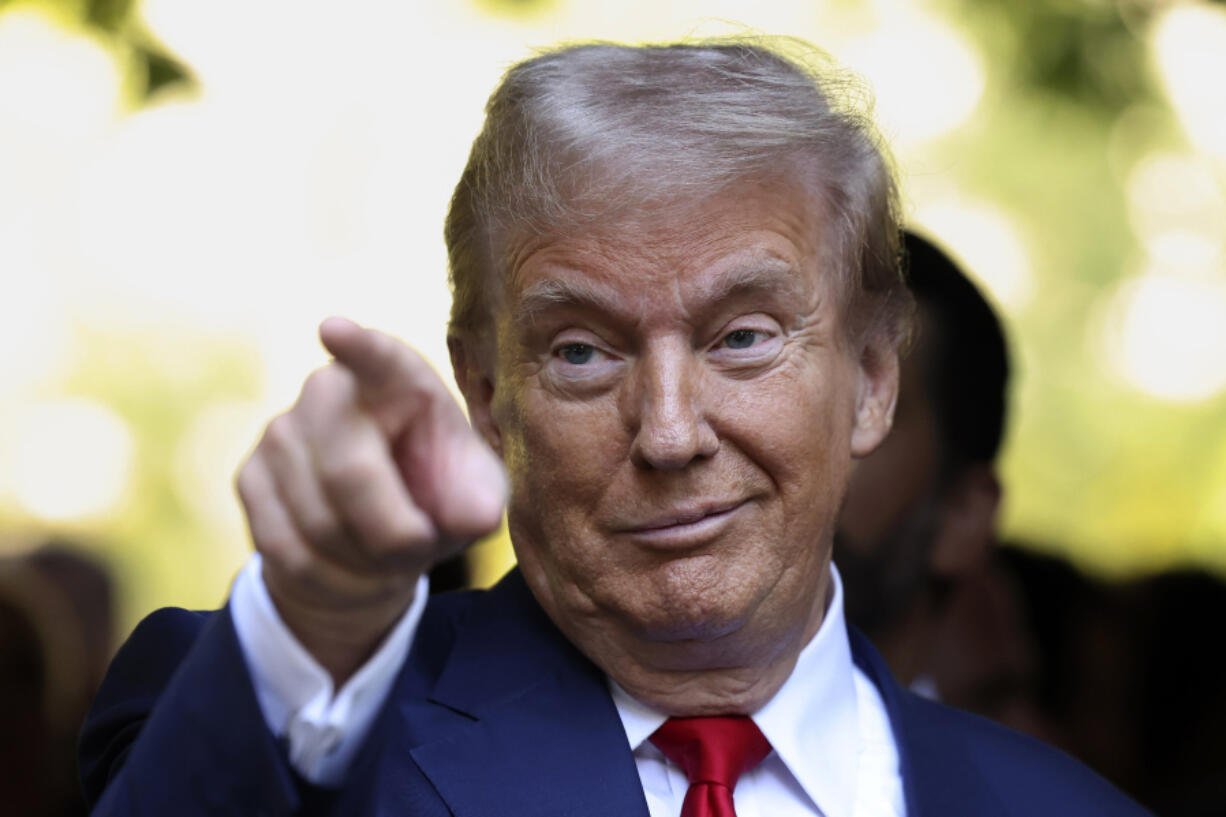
[[919, 522], [675, 322], [920, 513]]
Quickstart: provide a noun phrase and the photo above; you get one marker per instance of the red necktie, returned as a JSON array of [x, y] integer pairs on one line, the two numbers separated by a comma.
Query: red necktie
[[714, 753]]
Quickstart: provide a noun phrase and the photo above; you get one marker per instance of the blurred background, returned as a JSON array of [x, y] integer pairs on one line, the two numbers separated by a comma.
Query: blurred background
[[188, 188]]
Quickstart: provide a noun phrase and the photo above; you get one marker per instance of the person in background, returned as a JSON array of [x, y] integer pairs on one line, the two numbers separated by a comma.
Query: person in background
[[1124, 681], [56, 639], [920, 514]]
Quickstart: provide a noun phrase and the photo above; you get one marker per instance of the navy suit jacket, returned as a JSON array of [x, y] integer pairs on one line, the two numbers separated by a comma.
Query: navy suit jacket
[[495, 714]]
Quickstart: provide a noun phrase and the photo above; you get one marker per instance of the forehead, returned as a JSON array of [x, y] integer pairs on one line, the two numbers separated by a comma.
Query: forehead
[[761, 239]]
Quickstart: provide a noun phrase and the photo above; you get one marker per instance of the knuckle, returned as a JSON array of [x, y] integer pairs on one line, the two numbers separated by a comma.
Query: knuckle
[[346, 472], [290, 557], [403, 536], [281, 432], [324, 532], [326, 384], [299, 564], [274, 547]]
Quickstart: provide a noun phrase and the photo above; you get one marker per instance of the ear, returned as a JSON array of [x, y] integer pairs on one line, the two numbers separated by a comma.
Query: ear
[[876, 394], [472, 365], [967, 527]]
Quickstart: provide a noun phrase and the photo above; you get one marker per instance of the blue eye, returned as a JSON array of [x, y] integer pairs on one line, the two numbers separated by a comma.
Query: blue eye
[[741, 338], [577, 353]]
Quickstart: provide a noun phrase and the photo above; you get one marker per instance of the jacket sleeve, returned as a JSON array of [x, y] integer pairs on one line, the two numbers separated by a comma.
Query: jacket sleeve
[[176, 727]]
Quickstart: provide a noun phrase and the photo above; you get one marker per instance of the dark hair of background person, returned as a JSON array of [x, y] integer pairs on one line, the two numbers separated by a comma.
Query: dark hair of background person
[[967, 363], [1131, 676], [1182, 718], [56, 638]]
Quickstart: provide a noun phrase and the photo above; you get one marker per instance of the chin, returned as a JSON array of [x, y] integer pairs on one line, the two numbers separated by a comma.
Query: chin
[[681, 611], [683, 628]]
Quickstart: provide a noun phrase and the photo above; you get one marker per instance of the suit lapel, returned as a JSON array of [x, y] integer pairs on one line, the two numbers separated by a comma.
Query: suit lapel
[[939, 778], [519, 722]]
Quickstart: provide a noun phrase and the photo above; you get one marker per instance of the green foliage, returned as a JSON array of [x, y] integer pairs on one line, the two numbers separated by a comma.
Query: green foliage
[[1086, 52], [1118, 481], [522, 9], [163, 552], [155, 67]]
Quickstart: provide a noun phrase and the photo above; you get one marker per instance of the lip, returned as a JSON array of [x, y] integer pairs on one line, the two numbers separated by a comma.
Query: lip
[[687, 527]]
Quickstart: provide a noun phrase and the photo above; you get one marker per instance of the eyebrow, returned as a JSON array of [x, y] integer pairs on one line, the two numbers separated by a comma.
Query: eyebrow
[[762, 274], [553, 293]]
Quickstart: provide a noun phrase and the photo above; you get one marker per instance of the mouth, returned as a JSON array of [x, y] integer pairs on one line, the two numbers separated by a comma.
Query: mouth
[[684, 528]]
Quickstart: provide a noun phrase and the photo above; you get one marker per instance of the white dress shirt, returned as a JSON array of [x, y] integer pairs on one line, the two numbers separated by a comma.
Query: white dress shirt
[[833, 753], [324, 731]]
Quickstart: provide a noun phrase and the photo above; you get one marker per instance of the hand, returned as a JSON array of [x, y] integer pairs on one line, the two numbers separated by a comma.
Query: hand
[[372, 477]]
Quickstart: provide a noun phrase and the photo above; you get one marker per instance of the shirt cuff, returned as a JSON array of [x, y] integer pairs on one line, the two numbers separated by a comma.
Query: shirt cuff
[[295, 692]]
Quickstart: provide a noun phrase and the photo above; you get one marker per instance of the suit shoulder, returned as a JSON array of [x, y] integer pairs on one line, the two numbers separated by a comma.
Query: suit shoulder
[[454, 602], [138, 675], [156, 647], [171, 624], [1026, 775]]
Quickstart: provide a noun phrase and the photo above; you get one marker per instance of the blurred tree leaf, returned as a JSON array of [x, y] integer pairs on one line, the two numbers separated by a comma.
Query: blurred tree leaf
[[163, 71], [517, 8], [1078, 50], [119, 21], [110, 15]]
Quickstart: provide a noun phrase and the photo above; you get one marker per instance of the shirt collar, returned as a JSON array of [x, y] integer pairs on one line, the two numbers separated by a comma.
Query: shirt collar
[[812, 722]]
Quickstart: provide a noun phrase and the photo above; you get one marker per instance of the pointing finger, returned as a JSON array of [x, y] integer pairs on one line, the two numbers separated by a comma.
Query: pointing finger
[[387, 370], [451, 474]]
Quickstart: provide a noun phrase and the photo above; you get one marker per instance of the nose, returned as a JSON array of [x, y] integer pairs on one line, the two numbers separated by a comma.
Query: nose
[[667, 410]]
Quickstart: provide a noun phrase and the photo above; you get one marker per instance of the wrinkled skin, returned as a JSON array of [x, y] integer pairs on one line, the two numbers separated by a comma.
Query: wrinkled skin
[[678, 406]]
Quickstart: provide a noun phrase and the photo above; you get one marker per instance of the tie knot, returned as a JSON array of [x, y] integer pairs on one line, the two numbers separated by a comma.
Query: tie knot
[[712, 750]]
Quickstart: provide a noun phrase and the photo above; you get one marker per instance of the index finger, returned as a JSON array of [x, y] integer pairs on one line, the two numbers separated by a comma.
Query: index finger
[[387, 371], [450, 472]]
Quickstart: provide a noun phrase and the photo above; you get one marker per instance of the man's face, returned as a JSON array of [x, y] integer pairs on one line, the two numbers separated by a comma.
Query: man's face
[[678, 405]]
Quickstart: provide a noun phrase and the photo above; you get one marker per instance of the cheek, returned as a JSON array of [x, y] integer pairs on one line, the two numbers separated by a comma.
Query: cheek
[[560, 457], [798, 430]]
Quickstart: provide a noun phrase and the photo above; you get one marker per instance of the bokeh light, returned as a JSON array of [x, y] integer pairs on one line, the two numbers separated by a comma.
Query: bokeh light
[[59, 88], [1189, 45], [168, 256], [1178, 209], [984, 237], [35, 334], [927, 78], [68, 459], [1165, 333], [207, 457]]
